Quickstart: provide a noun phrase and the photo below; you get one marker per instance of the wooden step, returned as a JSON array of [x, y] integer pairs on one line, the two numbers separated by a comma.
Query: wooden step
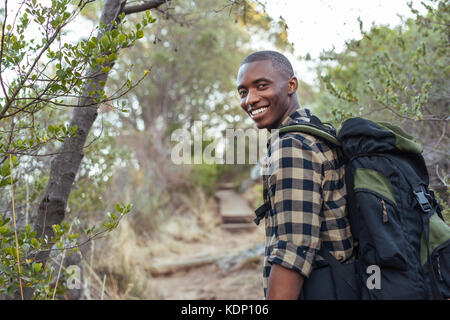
[[233, 207], [238, 226], [226, 186], [231, 219]]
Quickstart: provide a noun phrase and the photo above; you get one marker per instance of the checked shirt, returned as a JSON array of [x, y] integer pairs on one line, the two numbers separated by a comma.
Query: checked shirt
[[303, 178]]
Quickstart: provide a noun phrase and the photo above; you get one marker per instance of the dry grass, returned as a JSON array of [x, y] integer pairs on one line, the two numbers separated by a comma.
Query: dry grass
[[126, 255], [165, 225]]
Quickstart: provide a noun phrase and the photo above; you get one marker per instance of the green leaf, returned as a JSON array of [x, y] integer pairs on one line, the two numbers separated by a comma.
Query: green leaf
[[37, 267], [35, 243], [122, 38], [55, 87], [55, 23], [5, 170], [91, 44], [10, 291], [66, 15], [3, 222], [114, 33], [25, 247], [105, 41], [60, 73], [5, 230], [112, 57]]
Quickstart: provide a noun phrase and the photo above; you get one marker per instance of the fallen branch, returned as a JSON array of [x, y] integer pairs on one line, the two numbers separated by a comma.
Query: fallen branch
[[168, 268]]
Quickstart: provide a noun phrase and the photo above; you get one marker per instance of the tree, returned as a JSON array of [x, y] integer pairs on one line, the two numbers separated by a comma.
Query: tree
[[51, 73], [400, 75], [194, 55], [54, 76]]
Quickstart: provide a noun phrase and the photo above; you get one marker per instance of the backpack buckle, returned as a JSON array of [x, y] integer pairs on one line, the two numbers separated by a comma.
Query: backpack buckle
[[261, 212], [423, 201]]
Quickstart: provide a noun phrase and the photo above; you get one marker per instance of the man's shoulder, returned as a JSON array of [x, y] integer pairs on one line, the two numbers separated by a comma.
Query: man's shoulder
[[305, 141], [304, 146]]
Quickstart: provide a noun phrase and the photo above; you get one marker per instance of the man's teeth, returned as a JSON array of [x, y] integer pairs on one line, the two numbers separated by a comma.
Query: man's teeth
[[255, 112]]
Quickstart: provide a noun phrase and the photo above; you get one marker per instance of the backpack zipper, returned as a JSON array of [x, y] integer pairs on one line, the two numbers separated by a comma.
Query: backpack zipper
[[439, 269], [385, 215]]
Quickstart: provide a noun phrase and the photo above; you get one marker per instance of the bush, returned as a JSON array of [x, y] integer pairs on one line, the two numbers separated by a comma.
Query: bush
[[207, 176]]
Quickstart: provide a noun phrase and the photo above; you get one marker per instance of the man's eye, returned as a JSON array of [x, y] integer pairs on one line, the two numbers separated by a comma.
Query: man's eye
[[242, 93], [262, 85]]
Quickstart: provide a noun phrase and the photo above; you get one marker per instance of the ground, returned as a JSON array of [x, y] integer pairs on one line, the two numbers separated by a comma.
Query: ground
[[211, 280], [189, 256], [225, 265]]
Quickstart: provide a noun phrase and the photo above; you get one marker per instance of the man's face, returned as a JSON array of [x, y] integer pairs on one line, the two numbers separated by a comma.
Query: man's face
[[263, 93]]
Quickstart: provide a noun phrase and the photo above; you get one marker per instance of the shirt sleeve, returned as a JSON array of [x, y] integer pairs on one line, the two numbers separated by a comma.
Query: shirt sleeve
[[296, 187]]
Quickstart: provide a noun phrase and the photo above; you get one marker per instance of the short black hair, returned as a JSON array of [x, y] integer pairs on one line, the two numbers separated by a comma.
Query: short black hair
[[279, 61]]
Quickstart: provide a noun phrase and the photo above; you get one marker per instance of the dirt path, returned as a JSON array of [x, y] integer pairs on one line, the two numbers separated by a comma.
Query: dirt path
[[233, 207], [235, 272]]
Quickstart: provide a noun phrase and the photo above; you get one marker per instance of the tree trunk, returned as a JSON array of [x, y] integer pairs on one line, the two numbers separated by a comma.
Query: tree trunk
[[66, 163]]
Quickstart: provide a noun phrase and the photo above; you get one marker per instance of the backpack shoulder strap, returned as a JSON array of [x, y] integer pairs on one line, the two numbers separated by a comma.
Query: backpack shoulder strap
[[315, 128]]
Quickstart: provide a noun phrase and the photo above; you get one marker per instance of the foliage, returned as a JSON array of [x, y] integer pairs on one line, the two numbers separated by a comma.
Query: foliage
[[42, 77], [29, 273], [207, 175], [104, 156], [396, 74], [398, 70], [195, 53], [192, 54]]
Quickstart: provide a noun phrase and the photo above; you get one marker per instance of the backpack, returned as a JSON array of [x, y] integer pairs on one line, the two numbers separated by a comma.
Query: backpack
[[402, 243]]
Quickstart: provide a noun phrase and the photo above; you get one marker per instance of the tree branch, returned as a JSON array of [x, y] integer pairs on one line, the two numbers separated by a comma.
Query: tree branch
[[1, 51], [150, 4]]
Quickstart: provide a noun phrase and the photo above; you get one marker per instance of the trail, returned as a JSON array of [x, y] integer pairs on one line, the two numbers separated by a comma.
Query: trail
[[226, 264]]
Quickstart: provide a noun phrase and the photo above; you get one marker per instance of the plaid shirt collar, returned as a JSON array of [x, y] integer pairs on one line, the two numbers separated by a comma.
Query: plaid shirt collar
[[296, 117]]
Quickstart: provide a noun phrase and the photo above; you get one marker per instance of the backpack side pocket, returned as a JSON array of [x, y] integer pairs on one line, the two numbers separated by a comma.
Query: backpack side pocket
[[382, 240], [440, 254]]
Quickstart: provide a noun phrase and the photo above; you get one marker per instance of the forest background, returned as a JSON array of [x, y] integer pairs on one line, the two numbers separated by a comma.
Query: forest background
[[86, 176]]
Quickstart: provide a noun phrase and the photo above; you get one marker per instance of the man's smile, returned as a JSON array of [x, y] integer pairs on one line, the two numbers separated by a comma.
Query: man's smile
[[258, 112]]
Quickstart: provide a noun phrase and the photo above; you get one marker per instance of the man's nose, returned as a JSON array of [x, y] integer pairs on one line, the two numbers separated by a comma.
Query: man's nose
[[252, 98]]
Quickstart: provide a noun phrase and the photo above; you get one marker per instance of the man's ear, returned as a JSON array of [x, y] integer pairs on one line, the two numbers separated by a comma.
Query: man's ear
[[292, 85]]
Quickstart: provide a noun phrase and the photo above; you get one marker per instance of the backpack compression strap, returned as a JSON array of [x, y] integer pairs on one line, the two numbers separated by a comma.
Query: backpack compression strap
[[428, 205]]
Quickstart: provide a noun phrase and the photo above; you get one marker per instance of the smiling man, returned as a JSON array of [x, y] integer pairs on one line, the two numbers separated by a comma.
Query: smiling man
[[305, 186]]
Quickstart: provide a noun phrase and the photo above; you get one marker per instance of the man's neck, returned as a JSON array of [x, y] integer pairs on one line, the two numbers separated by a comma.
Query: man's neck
[[294, 106]]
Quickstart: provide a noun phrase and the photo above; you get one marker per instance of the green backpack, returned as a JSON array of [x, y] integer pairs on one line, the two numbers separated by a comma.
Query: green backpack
[[395, 219]]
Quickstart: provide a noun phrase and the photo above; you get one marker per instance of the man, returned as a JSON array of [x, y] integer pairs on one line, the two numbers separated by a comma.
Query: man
[[305, 185]]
